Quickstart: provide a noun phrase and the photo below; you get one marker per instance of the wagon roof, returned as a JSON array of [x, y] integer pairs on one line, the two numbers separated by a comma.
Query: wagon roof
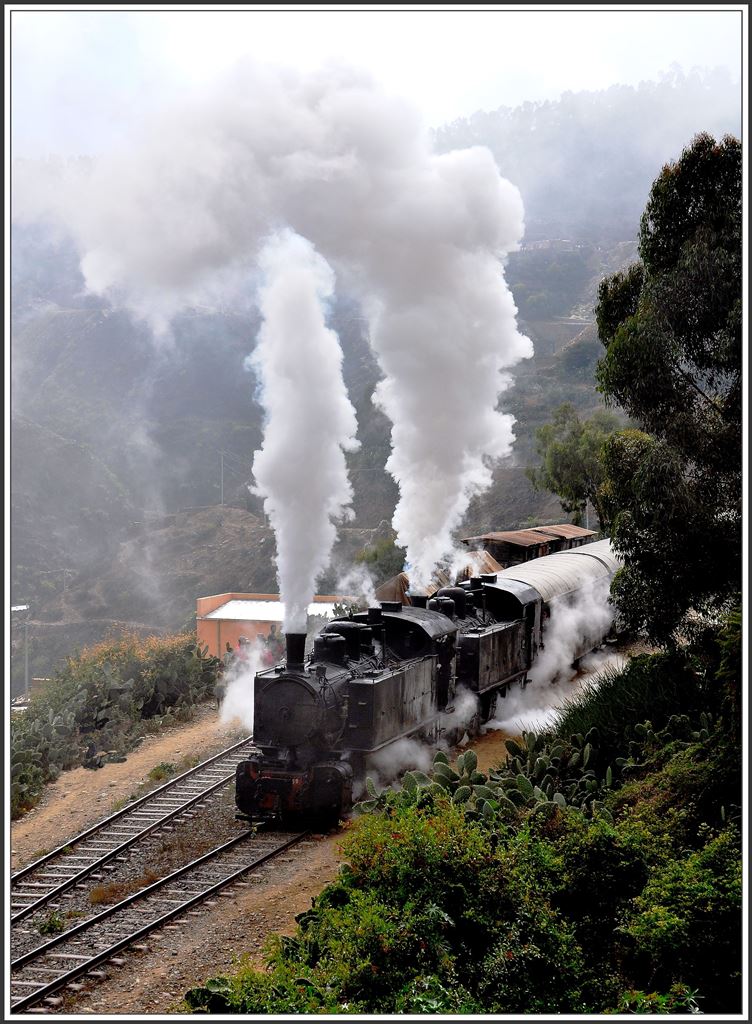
[[533, 535], [556, 575]]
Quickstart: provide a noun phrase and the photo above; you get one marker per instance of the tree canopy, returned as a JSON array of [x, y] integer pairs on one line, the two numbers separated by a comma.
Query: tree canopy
[[671, 326], [571, 452]]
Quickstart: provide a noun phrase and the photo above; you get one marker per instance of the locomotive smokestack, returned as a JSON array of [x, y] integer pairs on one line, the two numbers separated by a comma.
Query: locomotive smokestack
[[295, 649]]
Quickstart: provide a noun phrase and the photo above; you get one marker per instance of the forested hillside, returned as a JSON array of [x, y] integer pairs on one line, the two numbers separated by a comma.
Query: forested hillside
[[585, 163]]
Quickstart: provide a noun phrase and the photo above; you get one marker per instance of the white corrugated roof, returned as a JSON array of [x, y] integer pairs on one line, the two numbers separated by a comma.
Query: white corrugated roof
[[555, 575], [263, 611], [602, 550]]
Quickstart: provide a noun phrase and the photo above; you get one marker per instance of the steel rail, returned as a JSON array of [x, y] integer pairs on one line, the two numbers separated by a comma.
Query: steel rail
[[90, 963], [126, 810], [140, 831]]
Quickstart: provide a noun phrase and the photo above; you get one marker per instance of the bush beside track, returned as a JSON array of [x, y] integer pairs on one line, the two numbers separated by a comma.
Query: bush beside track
[[100, 703]]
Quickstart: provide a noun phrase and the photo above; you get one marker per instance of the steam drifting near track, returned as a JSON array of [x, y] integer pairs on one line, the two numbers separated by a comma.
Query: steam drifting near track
[[586, 615], [239, 681], [180, 212]]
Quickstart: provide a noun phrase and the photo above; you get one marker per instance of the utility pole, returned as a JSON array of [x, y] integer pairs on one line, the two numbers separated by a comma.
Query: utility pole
[[65, 573], [25, 608], [26, 657], [221, 478]]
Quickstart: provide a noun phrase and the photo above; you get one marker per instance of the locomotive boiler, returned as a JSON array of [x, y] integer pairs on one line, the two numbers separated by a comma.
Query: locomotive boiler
[[393, 672]]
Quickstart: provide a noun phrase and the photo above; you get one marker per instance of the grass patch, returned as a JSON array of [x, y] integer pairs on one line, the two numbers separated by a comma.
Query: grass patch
[[121, 802], [114, 892], [187, 761], [52, 925], [163, 770]]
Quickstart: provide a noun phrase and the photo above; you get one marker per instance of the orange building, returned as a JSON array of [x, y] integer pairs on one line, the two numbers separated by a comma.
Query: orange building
[[224, 618]]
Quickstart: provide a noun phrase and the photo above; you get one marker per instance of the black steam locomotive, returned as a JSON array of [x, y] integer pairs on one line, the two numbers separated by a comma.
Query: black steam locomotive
[[393, 672]]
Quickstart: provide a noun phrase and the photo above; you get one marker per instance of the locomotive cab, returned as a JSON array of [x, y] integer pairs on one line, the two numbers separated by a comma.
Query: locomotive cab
[[499, 645]]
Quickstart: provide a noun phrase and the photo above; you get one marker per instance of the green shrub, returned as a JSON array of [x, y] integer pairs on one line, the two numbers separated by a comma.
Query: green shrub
[[680, 999], [162, 771], [686, 922], [52, 925], [98, 702], [428, 995], [535, 966]]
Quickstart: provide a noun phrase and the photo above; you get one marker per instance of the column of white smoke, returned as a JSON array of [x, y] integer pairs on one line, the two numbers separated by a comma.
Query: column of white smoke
[[300, 469], [429, 237], [419, 237], [442, 400], [358, 584]]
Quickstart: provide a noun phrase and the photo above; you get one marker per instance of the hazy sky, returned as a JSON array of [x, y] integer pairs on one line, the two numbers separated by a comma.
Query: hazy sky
[[80, 77]]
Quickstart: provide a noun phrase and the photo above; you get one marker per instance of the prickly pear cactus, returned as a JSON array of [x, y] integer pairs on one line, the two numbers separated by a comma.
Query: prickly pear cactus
[[541, 774]]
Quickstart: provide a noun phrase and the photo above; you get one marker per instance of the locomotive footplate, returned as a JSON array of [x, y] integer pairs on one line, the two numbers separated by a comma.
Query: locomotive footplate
[[323, 790]]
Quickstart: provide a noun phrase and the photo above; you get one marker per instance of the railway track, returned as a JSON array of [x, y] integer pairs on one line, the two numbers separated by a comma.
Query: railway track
[[82, 949], [46, 880]]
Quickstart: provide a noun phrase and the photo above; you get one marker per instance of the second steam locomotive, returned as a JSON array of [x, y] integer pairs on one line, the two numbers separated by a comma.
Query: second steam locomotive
[[393, 672]]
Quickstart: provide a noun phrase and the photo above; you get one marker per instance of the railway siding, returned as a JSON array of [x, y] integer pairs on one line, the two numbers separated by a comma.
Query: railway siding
[[44, 881], [82, 949]]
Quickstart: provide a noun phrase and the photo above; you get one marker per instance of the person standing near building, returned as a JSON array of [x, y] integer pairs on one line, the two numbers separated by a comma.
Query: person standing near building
[[243, 654], [229, 656]]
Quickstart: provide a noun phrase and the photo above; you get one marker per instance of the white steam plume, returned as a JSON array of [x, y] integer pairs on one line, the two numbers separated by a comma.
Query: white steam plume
[[387, 766], [358, 583], [536, 706], [576, 625], [418, 236], [237, 703], [456, 723], [300, 469]]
